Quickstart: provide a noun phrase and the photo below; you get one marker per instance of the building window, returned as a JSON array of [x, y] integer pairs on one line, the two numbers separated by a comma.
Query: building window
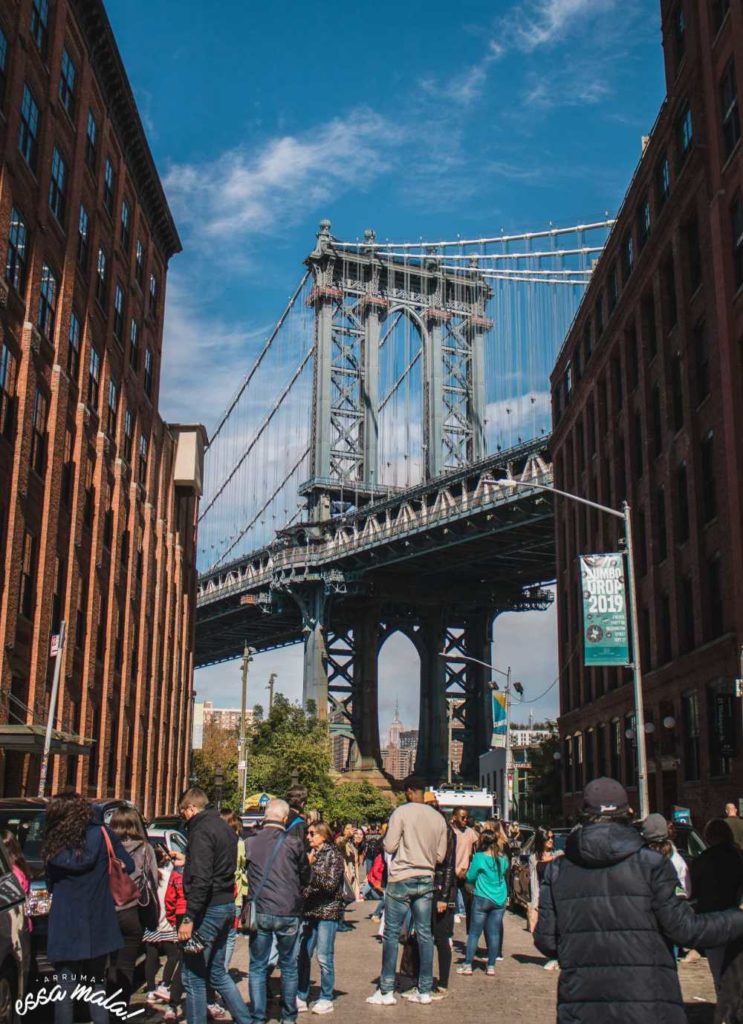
[[83, 239], [638, 439], [100, 274], [38, 433], [148, 372], [28, 576], [721, 731], [40, 24], [28, 131], [708, 482], [133, 345], [118, 311], [685, 133], [599, 315], [47, 301], [648, 322], [642, 543], [618, 388], [125, 225], [15, 259], [67, 79], [615, 759], [736, 219], [715, 604], [154, 290], [139, 263], [7, 392], [142, 470], [68, 470], [3, 66], [729, 109], [94, 379], [657, 422], [128, 434], [693, 254], [633, 356], [587, 341], [669, 291], [677, 393], [690, 704], [82, 601], [661, 533], [60, 575], [113, 402], [720, 10], [701, 362], [662, 182], [109, 182], [643, 223], [686, 598], [628, 256], [630, 751], [664, 629], [91, 141], [57, 185], [682, 504]]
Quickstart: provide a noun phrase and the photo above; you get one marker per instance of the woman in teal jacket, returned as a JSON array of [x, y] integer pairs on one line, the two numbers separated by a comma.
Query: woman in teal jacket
[[488, 873]]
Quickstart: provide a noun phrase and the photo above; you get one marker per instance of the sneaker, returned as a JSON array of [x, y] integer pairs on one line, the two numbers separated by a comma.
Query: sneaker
[[498, 958], [215, 1012], [551, 965], [302, 1006], [458, 918], [439, 993], [322, 1006], [465, 969], [381, 998], [162, 992], [409, 993], [151, 997], [421, 997], [490, 972]]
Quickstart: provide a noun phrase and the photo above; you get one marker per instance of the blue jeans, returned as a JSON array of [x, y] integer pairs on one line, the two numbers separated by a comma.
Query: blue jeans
[[488, 917], [285, 932], [230, 944], [415, 896], [320, 936], [200, 969]]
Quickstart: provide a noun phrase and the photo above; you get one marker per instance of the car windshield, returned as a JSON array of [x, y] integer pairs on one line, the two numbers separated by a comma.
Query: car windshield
[[27, 825], [688, 842]]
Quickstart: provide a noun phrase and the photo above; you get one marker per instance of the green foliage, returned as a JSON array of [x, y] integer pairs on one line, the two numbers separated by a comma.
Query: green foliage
[[547, 789], [357, 802], [219, 750]]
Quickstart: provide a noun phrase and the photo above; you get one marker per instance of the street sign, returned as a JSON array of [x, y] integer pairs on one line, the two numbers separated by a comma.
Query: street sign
[[605, 635], [500, 724], [54, 646], [242, 765], [263, 800]]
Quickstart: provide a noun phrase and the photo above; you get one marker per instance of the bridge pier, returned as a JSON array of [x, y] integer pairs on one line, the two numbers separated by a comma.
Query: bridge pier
[[312, 602], [478, 713], [365, 707], [432, 752]]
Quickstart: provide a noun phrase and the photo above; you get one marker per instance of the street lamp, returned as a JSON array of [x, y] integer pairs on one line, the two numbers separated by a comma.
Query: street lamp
[[624, 515], [507, 690]]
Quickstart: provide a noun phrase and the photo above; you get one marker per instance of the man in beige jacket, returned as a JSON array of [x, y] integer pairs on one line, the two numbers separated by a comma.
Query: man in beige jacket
[[416, 843]]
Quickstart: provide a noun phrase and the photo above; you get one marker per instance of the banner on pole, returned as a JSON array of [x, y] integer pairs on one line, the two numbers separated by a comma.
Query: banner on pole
[[605, 635], [500, 724]]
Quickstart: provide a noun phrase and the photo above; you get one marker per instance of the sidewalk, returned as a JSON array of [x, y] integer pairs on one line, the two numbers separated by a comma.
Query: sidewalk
[[521, 989]]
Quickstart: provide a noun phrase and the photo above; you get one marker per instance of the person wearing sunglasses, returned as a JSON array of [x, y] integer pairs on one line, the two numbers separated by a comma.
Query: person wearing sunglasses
[[323, 910]]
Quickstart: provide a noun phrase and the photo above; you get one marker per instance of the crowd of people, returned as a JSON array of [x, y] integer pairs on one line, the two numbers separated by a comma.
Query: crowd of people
[[614, 911]]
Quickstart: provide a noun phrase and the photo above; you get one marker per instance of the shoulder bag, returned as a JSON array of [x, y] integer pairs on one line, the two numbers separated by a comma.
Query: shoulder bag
[[123, 888]]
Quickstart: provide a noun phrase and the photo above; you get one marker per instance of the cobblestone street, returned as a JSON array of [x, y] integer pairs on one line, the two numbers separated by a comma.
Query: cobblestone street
[[521, 990]]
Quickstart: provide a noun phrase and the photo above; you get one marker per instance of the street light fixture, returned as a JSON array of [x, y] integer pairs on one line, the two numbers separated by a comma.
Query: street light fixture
[[624, 515]]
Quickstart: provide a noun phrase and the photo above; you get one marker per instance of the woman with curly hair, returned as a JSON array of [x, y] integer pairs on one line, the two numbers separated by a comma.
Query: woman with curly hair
[[83, 928]]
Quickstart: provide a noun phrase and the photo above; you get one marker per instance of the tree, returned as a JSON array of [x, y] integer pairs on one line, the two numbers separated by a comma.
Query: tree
[[218, 750], [547, 791], [358, 802]]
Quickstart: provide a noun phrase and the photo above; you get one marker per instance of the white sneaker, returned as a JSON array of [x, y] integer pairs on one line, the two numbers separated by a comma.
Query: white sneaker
[[458, 918], [421, 997], [382, 999], [409, 993], [322, 1006], [302, 1006]]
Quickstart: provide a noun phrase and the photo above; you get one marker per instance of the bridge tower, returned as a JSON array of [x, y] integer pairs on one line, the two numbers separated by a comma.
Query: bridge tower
[[355, 292]]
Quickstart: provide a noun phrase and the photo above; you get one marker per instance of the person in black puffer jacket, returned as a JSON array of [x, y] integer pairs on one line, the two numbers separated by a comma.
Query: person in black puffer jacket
[[609, 912], [323, 909]]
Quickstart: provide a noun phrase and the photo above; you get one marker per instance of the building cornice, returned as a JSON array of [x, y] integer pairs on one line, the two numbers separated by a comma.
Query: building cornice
[[118, 97]]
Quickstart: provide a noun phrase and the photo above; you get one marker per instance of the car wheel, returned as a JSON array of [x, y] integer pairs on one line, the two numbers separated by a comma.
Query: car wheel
[[7, 993]]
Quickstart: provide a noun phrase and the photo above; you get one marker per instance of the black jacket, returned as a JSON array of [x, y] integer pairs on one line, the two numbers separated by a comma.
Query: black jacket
[[282, 892], [323, 898], [608, 911], [717, 877], [445, 875], [211, 861]]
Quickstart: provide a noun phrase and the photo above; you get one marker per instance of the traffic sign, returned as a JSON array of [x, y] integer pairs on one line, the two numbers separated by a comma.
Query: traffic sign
[[54, 646], [242, 765]]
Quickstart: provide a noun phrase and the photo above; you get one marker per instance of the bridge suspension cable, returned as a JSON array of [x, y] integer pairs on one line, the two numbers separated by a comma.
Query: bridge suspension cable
[[550, 232]]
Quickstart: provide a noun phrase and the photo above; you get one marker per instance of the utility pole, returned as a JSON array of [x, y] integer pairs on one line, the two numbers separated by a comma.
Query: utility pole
[[243, 763], [271, 683], [44, 769], [509, 750]]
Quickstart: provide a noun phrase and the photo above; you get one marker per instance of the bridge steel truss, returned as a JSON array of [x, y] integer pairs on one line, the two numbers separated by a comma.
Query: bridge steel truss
[[437, 562]]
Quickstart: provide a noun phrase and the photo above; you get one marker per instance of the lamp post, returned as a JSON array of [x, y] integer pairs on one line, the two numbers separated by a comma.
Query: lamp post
[[625, 516], [507, 691], [243, 765]]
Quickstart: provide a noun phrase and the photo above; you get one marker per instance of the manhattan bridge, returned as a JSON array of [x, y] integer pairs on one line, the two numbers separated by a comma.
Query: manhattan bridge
[[354, 484]]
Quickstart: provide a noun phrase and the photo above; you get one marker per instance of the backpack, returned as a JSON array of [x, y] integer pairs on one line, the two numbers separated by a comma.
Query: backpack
[[148, 902]]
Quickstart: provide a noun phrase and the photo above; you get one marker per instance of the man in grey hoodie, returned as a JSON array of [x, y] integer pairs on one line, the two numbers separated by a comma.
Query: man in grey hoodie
[[416, 841]]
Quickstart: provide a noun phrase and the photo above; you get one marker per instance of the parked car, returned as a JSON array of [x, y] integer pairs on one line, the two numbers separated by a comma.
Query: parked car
[[520, 874], [172, 839], [173, 821], [689, 842], [15, 953]]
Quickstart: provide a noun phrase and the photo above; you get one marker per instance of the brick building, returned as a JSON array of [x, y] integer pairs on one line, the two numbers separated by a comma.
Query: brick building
[[98, 496], [648, 406], [227, 718]]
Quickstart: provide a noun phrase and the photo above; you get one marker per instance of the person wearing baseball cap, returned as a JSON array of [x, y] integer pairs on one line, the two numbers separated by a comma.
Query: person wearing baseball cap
[[610, 914]]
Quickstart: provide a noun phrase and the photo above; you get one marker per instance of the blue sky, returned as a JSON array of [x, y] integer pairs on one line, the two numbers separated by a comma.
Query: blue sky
[[419, 120]]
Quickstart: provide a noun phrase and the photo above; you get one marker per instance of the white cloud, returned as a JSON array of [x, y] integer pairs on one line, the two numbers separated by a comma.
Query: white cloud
[[243, 193], [534, 24], [573, 87]]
